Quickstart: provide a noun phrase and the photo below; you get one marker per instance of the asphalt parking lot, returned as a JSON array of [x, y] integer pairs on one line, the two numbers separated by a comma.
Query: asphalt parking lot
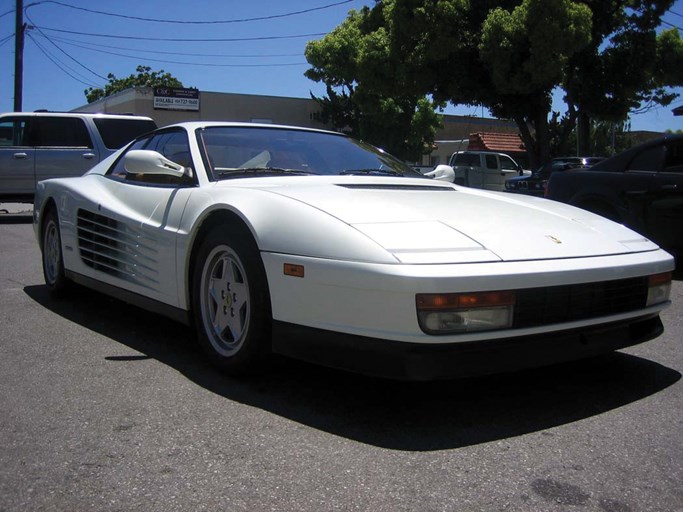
[[104, 407]]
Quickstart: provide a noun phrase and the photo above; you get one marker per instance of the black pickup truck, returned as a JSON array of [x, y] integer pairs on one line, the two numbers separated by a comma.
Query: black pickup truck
[[641, 188]]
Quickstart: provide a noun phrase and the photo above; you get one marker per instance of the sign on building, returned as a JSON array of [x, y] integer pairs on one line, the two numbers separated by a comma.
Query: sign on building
[[176, 98]]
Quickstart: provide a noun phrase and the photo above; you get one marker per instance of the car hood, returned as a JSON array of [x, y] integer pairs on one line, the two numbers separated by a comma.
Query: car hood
[[420, 221]]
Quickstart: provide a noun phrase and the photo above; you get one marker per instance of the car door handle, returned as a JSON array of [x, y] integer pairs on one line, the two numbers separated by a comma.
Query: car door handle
[[88, 156], [671, 186], [20, 156]]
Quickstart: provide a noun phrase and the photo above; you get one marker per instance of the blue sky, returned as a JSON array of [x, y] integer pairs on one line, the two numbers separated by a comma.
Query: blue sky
[[67, 52]]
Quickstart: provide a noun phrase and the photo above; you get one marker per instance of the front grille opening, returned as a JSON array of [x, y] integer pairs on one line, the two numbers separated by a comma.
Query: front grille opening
[[558, 304]]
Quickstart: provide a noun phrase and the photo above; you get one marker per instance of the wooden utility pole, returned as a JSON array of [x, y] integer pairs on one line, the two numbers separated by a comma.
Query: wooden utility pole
[[19, 56]]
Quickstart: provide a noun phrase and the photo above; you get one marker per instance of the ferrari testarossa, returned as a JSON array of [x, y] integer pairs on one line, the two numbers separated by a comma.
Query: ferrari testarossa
[[307, 243]]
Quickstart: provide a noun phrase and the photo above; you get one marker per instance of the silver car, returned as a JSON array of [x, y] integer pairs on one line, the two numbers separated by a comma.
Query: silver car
[[40, 145]]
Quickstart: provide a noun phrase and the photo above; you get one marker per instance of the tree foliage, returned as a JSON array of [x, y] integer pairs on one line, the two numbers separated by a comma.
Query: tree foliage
[[145, 77], [352, 61], [506, 55]]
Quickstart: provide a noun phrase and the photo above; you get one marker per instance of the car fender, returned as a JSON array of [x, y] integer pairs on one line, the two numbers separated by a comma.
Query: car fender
[[324, 235]]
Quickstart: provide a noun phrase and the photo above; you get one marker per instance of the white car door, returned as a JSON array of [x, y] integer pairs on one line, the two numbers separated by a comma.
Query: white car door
[[491, 173], [127, 238]]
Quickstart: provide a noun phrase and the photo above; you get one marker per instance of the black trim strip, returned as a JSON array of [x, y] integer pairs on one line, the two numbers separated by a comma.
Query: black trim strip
[[429, 361], [177, 314]]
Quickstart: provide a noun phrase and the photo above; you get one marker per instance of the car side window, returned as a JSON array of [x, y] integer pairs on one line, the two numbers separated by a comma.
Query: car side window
[[507, 163], [648, 160], [467, 159], [173, 145], [14, 131], [118, 170], [674, 158], [63, 132], [491, 162]]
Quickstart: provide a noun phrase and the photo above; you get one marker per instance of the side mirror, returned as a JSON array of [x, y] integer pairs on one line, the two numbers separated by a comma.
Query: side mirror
[[442, 173], [142, 161]]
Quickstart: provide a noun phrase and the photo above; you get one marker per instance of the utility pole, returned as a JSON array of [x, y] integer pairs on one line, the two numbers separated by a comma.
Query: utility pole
[[19, 56]]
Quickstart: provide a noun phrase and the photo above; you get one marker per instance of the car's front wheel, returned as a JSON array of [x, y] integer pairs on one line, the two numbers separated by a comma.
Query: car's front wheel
[[53, 261], [231, 302]]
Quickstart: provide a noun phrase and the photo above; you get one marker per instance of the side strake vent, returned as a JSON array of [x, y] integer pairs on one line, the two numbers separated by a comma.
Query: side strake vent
[[114, 248]]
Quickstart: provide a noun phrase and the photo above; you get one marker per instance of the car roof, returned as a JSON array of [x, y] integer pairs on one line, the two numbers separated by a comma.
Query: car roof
[[477, 152], [620, 160], [193, 125], [77, 114]]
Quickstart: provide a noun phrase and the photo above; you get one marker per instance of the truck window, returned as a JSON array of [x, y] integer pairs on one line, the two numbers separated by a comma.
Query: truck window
[[674, 158], [118, 132], [491, 162], [63, 132], [466, 159], [13, 132], [507, 164], [648, 160]]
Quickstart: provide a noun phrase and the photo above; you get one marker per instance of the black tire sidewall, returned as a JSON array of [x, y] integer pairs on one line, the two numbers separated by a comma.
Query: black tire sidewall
[[257, 342], [60, 283]]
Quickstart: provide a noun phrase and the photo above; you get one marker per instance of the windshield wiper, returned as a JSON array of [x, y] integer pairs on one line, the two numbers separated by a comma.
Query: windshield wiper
[[223, 173], [371, 172]]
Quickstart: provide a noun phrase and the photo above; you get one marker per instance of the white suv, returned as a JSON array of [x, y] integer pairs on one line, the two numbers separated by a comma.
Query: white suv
[[40, 145], [483, 169]]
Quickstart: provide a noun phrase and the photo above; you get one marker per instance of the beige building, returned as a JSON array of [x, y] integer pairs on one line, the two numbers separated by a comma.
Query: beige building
[[168, 106]]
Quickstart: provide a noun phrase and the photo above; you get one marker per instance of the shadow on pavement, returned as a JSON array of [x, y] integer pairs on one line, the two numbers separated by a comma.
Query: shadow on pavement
[[395, 415], [16, 218]]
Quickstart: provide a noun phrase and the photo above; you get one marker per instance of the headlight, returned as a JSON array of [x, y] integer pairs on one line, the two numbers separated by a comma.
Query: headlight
[[454, 313], [659, 288]]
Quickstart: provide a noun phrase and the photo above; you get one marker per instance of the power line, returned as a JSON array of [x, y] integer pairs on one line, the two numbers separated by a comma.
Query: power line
[[187, 22], [5, 39], [61, 50], [92, 46], [6, 13], [181, 40], [185, 63], [671, 25], [60, 64]]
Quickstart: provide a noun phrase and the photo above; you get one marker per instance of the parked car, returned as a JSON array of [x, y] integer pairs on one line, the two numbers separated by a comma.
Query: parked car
[[641, 187], [483, 169], [534, 184], [313, 245], [38, 145]]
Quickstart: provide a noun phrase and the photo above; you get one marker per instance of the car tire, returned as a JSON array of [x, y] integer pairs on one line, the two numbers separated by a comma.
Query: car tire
[[52, 255], [231, 301]]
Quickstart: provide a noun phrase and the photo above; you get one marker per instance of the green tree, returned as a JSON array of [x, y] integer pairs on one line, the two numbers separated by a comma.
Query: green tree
[[510, 56], [626, 67], [145, 77], [350, 61]]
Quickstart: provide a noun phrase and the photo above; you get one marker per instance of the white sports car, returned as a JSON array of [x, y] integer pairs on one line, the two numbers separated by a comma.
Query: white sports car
[[311, 244]]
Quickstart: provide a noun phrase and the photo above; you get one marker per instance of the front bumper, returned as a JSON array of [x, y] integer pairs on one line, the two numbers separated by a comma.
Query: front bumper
[[411, 361]]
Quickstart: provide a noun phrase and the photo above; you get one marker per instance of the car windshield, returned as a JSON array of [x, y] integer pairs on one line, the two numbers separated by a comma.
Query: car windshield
[[239, 151]]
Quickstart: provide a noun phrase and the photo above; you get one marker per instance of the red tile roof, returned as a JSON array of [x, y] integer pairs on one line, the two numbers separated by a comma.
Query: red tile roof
[[499, 142]]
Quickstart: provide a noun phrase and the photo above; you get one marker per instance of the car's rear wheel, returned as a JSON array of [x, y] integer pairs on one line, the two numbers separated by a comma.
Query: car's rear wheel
[[231, 301], [53, 261]]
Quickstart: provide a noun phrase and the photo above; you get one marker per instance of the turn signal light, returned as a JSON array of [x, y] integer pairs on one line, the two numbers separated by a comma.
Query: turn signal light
[[659, 288], [453, 313], [293, 270]]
